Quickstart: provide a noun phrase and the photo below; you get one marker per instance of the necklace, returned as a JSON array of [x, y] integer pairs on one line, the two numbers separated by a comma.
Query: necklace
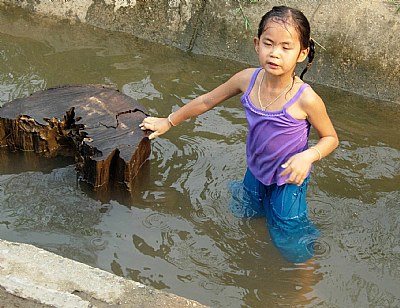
[[276, 98]]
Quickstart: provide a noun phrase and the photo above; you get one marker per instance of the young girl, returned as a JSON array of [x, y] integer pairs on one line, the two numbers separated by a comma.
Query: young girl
[[280, 108]]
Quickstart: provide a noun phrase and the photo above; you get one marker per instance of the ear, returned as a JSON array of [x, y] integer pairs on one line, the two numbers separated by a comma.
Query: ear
[[256, 44], [303, 55]]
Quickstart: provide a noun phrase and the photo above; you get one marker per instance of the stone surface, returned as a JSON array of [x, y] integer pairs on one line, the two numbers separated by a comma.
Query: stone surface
[[38, 278]]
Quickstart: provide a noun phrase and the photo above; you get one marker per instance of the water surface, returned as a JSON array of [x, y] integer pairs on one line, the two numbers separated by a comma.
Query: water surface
[[175, 232]]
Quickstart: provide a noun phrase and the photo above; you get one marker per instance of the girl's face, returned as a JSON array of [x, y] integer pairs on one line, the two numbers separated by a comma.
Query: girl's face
[[279, 49]]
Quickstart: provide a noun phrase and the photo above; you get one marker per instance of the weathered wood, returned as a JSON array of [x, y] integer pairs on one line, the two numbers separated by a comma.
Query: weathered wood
[[96, 124]]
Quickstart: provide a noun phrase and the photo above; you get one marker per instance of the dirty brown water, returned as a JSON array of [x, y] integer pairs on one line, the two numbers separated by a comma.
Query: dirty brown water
[[176, 233]]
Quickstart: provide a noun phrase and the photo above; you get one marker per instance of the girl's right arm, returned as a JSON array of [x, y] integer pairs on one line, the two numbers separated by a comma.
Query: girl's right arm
[[235, 85]]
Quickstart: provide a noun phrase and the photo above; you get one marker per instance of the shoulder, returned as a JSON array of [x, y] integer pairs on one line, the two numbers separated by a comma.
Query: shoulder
[[313, 107], [242, 79], [310, 100], [245, 74], [250, 71]]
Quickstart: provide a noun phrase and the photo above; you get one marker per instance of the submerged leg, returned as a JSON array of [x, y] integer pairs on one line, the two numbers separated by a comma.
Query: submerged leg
[[247, 197], [287, 218]]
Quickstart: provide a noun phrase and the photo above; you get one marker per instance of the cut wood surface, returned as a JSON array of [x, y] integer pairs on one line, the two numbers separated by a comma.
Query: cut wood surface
[[95, 123]]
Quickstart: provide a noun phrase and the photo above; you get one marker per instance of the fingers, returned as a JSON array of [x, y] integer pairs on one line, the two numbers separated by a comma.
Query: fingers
[[158, 125], [298, 180], [154, 135], [286, 171], [295, 177], [295, 180], [148, 123], [287, 167]]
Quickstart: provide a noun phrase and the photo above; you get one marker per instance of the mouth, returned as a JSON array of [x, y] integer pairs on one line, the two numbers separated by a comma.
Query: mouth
[[272, 65]]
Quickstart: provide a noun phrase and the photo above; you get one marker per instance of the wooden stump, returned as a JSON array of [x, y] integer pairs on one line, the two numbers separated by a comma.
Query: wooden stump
[[95, 123]]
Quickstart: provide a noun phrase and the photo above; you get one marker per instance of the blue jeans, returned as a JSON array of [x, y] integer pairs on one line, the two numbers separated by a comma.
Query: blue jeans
[[286, 212]]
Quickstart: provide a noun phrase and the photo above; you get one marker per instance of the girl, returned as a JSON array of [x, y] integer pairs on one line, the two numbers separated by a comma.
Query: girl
[[280, 108]]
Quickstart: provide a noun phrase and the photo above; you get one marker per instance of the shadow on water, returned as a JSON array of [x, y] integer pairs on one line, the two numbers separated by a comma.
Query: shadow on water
[[175, 232]]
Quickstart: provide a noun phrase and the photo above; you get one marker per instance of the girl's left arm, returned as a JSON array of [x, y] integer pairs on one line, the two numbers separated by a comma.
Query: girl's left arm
[[299, 164], [319, 119]]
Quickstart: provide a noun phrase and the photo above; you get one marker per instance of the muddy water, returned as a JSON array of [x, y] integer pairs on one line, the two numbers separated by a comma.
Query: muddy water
[[176, 233]]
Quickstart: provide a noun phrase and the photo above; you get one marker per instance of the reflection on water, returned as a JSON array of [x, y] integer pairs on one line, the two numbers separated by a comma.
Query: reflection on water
[[176, 233]]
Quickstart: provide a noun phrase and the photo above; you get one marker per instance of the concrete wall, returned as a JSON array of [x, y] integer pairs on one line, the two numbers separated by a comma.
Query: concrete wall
[[360, 39]]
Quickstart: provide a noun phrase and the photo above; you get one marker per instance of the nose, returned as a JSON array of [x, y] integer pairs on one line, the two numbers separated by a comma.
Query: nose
[[274, 52]]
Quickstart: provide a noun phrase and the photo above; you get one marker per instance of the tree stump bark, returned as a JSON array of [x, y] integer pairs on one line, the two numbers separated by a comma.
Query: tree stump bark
[[96, 124]]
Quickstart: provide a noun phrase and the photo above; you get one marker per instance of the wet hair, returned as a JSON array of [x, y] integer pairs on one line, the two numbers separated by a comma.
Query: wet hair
[[295, 18]]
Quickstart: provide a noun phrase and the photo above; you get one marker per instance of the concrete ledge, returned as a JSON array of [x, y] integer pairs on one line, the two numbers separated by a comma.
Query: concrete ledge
[[357, 40], [39, 276]]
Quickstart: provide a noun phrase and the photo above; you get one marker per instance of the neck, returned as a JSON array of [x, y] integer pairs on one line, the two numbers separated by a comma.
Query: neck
[[277, 82], [276, 87]]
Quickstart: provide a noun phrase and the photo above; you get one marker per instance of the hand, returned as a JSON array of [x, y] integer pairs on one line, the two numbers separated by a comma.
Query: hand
[[159, 126], [298, 167]]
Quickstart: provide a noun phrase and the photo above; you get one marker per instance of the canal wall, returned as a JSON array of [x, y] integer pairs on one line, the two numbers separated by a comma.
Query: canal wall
[[33, 277], [357, 41]]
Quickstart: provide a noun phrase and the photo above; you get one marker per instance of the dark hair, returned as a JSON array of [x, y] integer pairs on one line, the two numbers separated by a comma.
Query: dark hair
[[295, 18]]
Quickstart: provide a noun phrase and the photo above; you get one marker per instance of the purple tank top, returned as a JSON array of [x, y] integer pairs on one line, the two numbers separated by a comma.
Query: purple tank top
[[273, 137]]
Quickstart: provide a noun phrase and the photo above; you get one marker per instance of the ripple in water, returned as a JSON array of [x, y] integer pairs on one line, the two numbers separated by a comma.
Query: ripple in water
[[98, 243], [211, 286], [205, 213], [324, 215], [319, 248], [156, 220]]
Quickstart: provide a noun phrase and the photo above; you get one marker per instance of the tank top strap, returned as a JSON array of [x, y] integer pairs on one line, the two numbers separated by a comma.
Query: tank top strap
[[296, 96], [252, 81]]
